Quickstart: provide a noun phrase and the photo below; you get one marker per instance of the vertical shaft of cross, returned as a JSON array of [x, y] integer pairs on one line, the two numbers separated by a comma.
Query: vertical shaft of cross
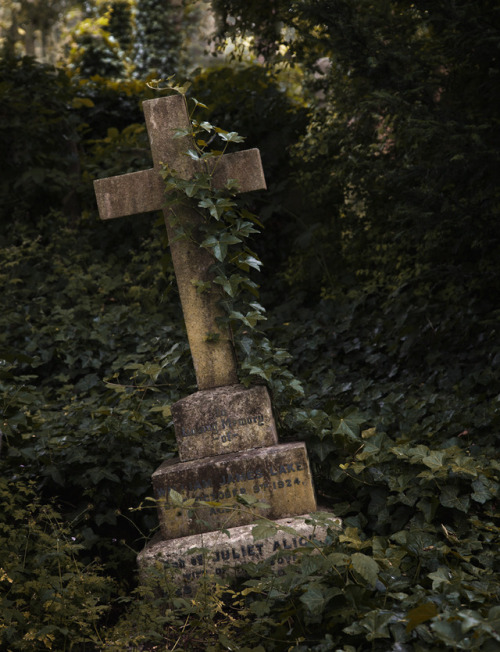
[[211, 345]]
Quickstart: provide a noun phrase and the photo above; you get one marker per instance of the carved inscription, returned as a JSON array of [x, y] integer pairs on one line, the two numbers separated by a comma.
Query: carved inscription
[[261, 479], [225, 559], [224, 427]]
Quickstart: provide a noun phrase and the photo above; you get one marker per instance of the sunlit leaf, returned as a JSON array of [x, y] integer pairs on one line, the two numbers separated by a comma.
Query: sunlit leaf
[[365, 566], [263, 530], [421, 614]]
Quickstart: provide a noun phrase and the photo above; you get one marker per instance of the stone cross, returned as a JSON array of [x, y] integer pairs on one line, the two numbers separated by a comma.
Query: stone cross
[[140, 192]]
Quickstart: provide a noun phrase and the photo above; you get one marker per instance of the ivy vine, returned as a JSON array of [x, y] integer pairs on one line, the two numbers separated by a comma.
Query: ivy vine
[[227, 228]]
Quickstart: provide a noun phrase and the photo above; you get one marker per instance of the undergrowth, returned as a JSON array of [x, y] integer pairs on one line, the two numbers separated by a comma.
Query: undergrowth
[[401, 426]]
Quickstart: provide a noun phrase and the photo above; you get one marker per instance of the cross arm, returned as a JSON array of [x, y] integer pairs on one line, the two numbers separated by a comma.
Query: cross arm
[[141, 192], [245, 167], [128, 194]]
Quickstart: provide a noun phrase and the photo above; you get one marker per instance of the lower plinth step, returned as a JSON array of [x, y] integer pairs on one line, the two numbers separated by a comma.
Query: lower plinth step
[[278, 476], [224, 554]]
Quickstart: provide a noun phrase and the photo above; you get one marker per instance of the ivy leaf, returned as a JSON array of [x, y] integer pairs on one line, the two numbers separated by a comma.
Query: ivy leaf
[[250, 319], [218, 248], [207, 203], [190, 189], [323, 448], [314, 599], [365, 566], [181, 89], [197, 104], [181, 132], [86, 383], [374, 624], [247, 499], [420, 615], [246, 345], [449, 631], [260, 608], [348, 425], [463, 465], [229, 239], [481, 493], [434, 460], [245, 261], [449, 498], [231, 137], [339, 559], [440, 577], [230, 285], [175, 498], [263, 530], [232, 185], [296, 385]]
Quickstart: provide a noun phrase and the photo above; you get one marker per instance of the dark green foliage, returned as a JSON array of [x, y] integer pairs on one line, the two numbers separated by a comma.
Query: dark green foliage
[[98, 57], [38, 140], [86, 378], [158, 39], [402, 147], [425, 477], [48, 598], [113, 104], [101, 41], [114, 138], [131, 39], [270, 120], [49, 124], [120, 24], [387, 301], [414, 155]]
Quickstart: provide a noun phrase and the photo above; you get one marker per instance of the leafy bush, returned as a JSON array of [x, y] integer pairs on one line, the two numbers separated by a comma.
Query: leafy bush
[[85, 379], [399, 359], [38, 140], [349, 592], [48, 598], [271, 119], [52, 131]]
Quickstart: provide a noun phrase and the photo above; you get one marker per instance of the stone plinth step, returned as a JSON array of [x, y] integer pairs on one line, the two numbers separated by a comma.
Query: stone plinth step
[[277, 475], [223, 554], [223, 420]]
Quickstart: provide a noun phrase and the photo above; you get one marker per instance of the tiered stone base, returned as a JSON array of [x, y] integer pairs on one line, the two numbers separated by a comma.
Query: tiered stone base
[[231, 472]]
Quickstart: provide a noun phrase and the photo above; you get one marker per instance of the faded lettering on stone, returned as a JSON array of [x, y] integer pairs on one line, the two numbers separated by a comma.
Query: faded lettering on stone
[[224, 423], [272, 478], [249, 551], [193, 566]]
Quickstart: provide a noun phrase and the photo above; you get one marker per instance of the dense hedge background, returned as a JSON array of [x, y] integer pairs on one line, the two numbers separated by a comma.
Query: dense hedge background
[[379, 131]]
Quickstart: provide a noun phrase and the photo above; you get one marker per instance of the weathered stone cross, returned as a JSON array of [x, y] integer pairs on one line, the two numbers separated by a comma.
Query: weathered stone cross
[[139, 192]]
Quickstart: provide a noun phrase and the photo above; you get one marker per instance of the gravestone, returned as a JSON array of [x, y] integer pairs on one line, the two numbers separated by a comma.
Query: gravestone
[[226, 434]]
